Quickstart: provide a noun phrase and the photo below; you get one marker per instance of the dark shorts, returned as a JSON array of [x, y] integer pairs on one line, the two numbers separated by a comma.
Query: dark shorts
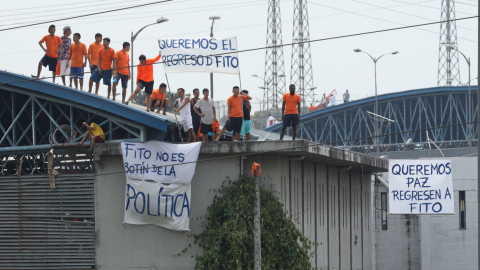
[[234, 125], [99, 139], [205, 129], [123, 78], [92, 69], [147, 85], [155, 101], [50, 61], [106, 76], [290, 120]]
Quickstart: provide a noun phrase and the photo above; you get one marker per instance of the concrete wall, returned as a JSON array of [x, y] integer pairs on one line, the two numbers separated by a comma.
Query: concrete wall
[[330, 206], [431, 242]]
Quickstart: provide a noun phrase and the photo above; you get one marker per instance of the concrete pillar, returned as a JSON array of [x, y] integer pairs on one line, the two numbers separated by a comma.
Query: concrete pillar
[[425, 243]]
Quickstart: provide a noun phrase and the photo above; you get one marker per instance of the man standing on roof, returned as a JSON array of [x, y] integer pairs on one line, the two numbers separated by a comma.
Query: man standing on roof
[[205, 109], [185, 114], [104, 69], [95, 133], [159, 100], [247, 123], [144, 78], [54, 46], [346, 97], [196, 119], [93, 50], [290, 112], [311, 108], [63, 55], [121, 72], [235, 116], [78, 51], [333, 98]]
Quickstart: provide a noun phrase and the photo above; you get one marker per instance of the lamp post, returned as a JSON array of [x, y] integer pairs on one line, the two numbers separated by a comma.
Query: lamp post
[[469, 99], [375, 60], [213, 18], [161, 20]]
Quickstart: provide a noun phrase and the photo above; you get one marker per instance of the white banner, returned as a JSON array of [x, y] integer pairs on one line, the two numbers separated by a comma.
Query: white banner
[[148, 202], [420, 187], [165, 163], [212, 55]]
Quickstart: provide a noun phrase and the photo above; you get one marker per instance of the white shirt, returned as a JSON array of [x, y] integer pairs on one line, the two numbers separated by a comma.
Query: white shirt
[[333, 100], [185, 112], [270, 121]]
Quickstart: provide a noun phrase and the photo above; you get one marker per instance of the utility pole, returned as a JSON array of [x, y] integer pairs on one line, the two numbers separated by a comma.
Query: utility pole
[[257, 239]]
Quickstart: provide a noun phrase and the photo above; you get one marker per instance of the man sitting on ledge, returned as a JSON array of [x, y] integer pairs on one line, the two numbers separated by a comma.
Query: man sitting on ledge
[[95, 132]]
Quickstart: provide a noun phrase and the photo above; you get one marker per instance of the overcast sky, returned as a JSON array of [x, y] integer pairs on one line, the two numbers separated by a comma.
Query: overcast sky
[[335, 65]]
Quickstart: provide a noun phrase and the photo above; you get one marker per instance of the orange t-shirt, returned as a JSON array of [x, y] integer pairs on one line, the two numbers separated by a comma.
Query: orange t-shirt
[[311, 108], [215, 126], [235, 104], [93, 50], [122, 61], [157, 95], [52, 45], [145, 72], [76, 53], [106, 58], [291, 103]]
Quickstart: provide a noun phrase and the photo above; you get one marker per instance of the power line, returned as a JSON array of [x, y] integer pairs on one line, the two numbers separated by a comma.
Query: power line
[[283, 45], [386, 20], [143, 13], [52, 10], [437, 8], [50, 6], [405, 13], [87, 15]]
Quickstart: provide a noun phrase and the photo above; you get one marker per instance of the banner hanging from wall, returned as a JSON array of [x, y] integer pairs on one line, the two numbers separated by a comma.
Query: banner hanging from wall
[[420, 187], [158, 183], [208, 54], [166, 163]]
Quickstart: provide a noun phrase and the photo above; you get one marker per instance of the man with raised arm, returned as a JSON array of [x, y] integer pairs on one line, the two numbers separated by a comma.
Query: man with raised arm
[[144, 79], [185, 114]]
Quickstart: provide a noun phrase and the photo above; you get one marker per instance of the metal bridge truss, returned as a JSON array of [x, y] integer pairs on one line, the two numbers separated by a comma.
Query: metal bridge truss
[[439, 113], [36, 122]]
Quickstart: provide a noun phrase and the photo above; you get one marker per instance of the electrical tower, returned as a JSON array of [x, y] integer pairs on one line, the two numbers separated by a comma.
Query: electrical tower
[[301, 70], [274, 65], [448, 66]]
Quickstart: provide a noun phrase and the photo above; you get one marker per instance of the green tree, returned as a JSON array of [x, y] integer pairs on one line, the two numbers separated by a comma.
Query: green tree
[[228, 236]]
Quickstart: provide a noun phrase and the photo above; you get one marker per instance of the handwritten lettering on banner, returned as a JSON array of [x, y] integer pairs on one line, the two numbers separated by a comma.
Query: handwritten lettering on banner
[[153, 203], [163, 162], [158, 186], [213, 55], [420, 187]]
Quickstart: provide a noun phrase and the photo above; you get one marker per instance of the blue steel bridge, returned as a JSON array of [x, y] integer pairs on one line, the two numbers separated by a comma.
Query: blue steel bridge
[[439, 111]]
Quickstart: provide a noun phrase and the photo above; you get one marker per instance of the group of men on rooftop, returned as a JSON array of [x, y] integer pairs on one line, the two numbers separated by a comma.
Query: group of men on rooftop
[[330, 100], [198, 115]]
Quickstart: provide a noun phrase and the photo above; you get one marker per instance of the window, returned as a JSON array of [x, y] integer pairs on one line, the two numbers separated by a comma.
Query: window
[[462, 210], [384, 210]]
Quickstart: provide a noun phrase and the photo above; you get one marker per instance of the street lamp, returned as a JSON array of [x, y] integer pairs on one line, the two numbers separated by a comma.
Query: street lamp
[[161, 20], [375, 60], [469, 99], [213, 18]]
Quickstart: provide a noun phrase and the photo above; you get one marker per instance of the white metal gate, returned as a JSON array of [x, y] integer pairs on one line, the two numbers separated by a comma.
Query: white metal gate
[[42, 228]]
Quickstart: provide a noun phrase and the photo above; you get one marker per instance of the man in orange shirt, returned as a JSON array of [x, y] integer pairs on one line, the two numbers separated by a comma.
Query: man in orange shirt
[[290, 115], [159, 100], [54, 46], [93, 52], [104, 69], [121, 72], [144, 79], [77, 52], [235, 115], [311, 108]]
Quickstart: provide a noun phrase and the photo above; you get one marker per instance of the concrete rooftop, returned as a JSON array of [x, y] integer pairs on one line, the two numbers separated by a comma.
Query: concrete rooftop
[[311, 151]]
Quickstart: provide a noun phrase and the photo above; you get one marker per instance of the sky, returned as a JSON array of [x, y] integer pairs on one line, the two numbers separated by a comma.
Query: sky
[[334, 63]]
